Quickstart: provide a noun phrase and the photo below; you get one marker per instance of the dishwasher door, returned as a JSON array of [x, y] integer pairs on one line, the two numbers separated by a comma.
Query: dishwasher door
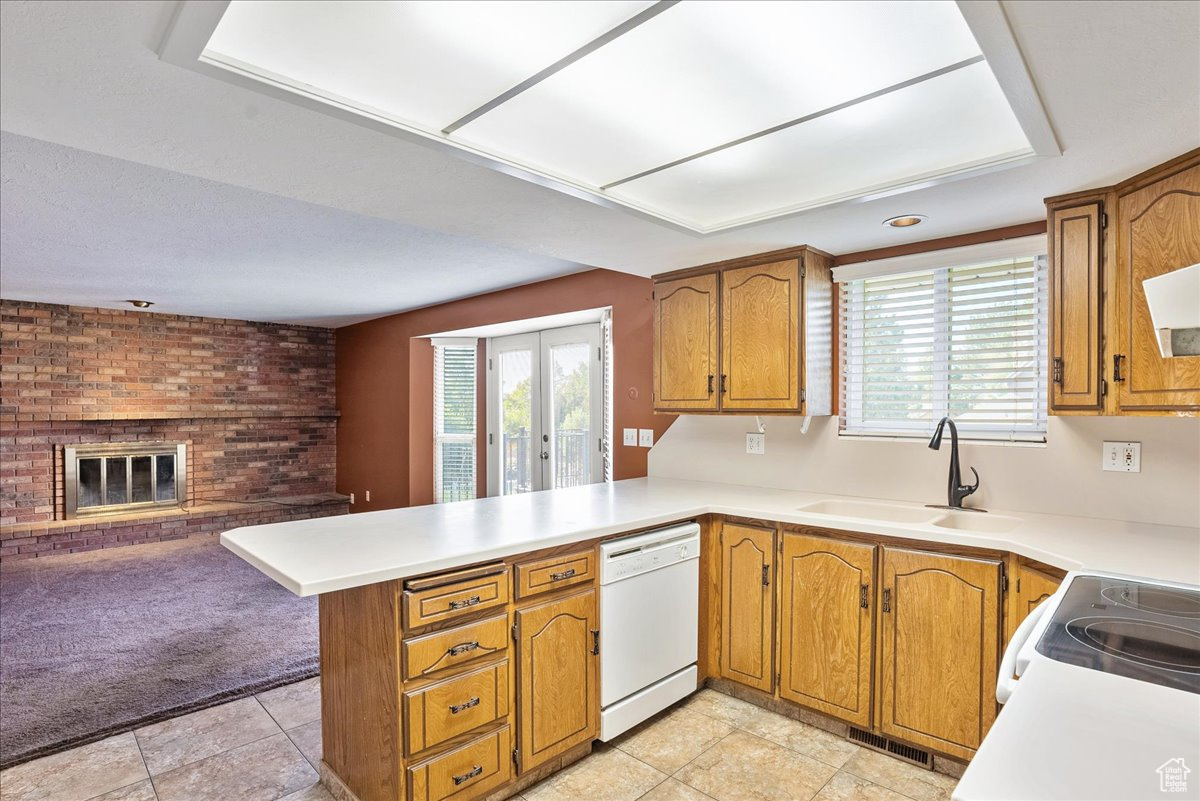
[[648, 624]]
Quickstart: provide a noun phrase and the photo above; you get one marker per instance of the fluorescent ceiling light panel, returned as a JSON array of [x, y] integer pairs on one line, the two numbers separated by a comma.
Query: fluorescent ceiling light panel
[[704, 114]]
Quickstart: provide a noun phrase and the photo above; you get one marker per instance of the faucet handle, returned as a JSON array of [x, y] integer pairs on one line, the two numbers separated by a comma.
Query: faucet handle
[[968, 489]]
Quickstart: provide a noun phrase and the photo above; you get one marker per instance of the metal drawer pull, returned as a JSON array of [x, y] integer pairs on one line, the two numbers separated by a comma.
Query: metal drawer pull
[[463, 648], [456, 708], [566, 574], [470, 774], [474, 599]]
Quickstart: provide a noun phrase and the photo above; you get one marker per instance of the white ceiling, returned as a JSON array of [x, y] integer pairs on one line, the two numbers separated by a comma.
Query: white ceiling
[[1120, 82]]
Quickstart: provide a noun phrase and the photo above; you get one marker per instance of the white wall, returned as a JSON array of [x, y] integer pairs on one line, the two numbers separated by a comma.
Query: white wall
[[1064, 477]]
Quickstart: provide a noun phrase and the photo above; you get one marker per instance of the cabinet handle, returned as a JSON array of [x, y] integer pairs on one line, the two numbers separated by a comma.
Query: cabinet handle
[[887, 600], [724, 388], [474, 599], [766, 575], [566, 574], [595, 642], [1117, 377], [470, 774], [1057, 371], [456, 708], [465, 647], [710, 383], [862, 595]]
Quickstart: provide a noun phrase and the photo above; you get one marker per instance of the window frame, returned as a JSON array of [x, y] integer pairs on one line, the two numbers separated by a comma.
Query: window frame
[[853, 422], [441, 437]]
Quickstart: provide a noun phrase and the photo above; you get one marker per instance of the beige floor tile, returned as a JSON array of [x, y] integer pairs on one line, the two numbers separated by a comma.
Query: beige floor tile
[[808, 740], [294, 704], [909, 780], [315, 793], [743, 767], [733, 711], [848, 787], [260, 771], [178, 741], [608, 774], [76, 775], [675, 739], [675, 790], [308, 739], [142, 791]]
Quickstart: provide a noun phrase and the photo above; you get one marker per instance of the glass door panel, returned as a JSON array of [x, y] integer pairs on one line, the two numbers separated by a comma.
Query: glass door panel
[[571, 382], [516, 366]]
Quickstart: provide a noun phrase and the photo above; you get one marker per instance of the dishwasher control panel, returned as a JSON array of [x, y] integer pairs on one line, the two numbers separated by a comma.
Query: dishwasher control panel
[[625, 558]]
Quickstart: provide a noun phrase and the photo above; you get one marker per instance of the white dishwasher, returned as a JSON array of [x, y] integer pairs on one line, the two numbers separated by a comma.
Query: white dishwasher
[[649, 604]]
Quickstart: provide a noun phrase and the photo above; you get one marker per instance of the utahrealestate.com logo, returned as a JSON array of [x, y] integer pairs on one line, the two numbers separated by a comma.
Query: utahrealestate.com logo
[[1172, 776]]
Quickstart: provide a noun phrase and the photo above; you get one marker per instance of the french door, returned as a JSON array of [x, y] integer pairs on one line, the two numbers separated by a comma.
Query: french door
[[545, 410]]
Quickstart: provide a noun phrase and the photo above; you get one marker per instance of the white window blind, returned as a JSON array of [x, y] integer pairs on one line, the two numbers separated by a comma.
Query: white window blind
[[454, 422], [969, 342]]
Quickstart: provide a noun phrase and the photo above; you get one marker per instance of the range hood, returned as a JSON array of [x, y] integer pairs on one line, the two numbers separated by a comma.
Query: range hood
[[1174, 301]]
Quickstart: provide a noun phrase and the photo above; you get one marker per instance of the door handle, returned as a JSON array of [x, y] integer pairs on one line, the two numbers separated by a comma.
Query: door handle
[[887, 600], [710, 383], [1058, 370], [1117, 377], [545, 454], [724, 389], [766, 575], [863, 593], [595, 642]]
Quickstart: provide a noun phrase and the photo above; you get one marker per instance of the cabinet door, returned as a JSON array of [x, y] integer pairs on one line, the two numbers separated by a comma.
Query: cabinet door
[[825, 625], [558, 693], [747, 605], [760, 337], [940, 639], [1076, 296], [1159, 231], [1030, 589], [685, 344]]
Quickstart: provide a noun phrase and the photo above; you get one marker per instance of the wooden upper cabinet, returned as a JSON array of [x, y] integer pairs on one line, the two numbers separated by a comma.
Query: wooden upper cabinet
[[749, 335], [825, 628], [686, 358], [1076, 243], [939, 653], [1158, 232], [558, 690], [747, 605], [760, 337]]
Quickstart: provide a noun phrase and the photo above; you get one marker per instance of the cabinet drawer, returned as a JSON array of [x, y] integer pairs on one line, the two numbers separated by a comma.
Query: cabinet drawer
[[451, 600], [456, 646], [467, 772], [555, 573], [456, 706]]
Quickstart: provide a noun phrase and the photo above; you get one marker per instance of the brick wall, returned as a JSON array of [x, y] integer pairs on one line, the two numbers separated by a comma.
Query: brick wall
[[253, 401]]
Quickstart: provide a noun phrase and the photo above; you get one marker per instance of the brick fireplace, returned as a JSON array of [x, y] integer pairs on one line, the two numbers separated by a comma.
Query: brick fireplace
[[252, 402]]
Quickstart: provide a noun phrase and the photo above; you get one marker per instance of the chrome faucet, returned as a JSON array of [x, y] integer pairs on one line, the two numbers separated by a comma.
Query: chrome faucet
[[956, 490]]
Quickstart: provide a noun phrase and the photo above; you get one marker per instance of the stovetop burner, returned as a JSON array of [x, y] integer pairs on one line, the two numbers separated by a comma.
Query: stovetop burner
[[1142, 631]]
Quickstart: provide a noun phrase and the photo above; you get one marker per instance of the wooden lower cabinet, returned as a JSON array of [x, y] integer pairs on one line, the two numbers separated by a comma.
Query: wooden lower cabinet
[[557, 677], [825, 625], [1030, 587], [940, 637], [747, 605]]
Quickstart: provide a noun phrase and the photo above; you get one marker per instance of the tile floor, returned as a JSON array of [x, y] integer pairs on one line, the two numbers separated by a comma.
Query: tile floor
[[710, 747]]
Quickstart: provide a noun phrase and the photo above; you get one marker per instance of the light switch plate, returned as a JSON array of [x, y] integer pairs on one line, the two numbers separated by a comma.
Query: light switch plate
[[1122, 457], [756, 444], [646, 437], [629, 436]]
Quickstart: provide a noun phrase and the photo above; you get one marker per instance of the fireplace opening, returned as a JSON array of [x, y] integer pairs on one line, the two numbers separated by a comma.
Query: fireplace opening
[[124, 477]]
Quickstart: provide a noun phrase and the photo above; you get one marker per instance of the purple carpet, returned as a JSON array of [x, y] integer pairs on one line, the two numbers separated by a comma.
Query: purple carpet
[[97, 643]]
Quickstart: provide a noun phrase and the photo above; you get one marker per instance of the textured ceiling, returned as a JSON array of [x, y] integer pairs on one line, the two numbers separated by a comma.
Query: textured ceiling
[[304, 217]]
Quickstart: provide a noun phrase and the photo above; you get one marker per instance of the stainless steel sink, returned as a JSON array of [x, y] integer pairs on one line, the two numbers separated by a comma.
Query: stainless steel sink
[[977, 523], [866, 510]]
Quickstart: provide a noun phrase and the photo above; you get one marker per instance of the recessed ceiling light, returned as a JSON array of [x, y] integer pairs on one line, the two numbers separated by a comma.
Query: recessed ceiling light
[[905, 220], [141, 304]]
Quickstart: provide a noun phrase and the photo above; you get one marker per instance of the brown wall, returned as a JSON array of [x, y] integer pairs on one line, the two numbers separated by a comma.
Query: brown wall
[[385, 380], [253, 401]]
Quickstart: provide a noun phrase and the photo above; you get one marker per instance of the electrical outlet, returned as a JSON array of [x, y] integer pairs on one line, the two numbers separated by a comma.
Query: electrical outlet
[[1122, 457], [629, 437], [646, 437], [756, 444], [367, 496], [352, 499]]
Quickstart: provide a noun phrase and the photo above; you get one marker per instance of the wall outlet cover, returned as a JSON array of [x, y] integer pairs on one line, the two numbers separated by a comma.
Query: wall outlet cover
[[629, 436], [646, 437], [756, 444], [1122, 457]]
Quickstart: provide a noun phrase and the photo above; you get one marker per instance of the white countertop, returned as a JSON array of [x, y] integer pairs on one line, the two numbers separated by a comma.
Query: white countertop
[[335, 553]]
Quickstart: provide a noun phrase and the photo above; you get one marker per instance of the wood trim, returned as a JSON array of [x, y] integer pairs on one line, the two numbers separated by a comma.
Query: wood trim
[[442, 579], [944, 243]]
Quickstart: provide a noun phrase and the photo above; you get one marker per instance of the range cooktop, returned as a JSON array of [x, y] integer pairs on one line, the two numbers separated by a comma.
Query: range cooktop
[[1149, 632]]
